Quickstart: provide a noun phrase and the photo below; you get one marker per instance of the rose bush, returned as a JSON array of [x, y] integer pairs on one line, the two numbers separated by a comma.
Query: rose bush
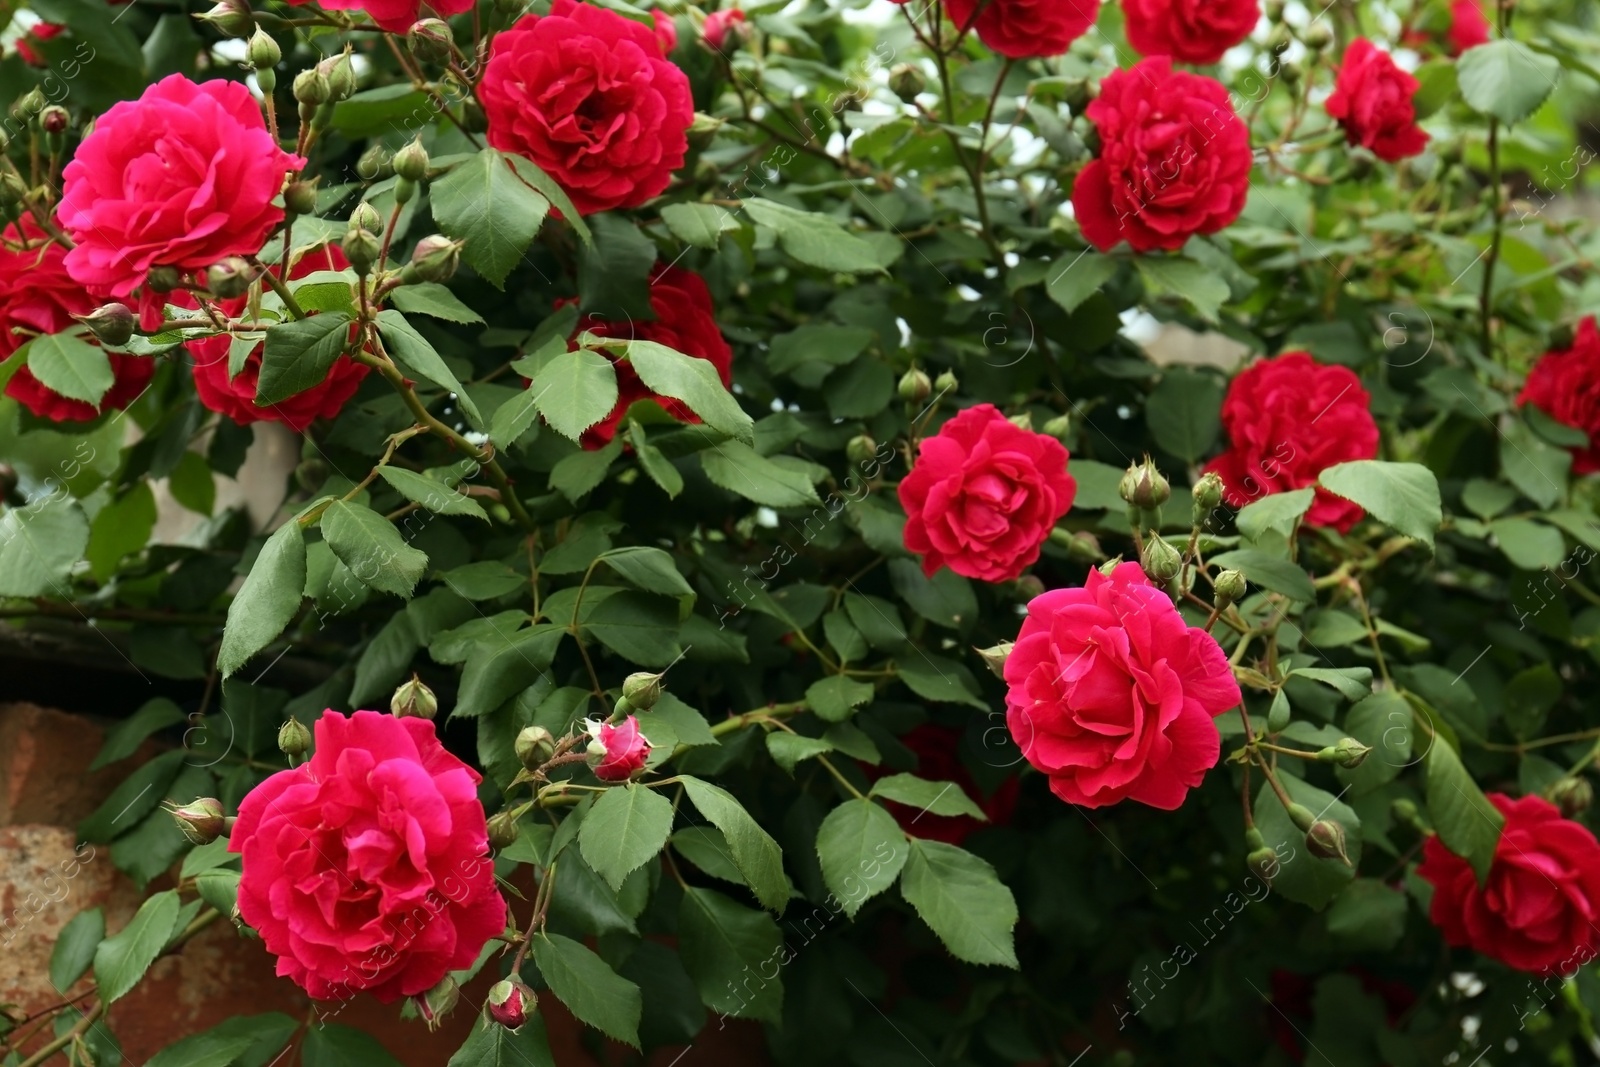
[[977, 533]]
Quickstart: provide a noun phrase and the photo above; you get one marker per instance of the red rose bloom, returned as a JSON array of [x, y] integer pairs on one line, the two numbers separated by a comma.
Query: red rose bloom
[[1468, 26], [1112, 694], [182, 177], [938, 751], [38, 298], [1539, 908], [394, 15], [1565, 384], [1288, 419], [236, 397], [617, 753], [719, 24], [588, 95], [1372, 101], [1022, 29], [1174, 160], [666, 30], [684, 322], [366, 868], [41, 31], [984, 495], [1190, 31]]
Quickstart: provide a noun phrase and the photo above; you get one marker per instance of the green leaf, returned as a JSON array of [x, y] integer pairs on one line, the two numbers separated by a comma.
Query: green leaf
[[1302, 877], [963, 901], [1368, 917], [1506, 79], [627, 826], [1077, 276], [1203, 288], [75, 948], [1277, 512], [1270, 572], [124, 739], [1530, 695], [835, 698], [1403, 495], [1537, 468], [485, 204], [193, 484], [936, 798], [596, 994], [687, 724], [501, 666], [418, 359], [39, 544], [121, 960], [693, 381], [298, 355], [938, 679], [131, 801], [1382, 722], [727, 950], [267, 600], [372, 548], [431, 493], [434, 300], [1437, 86], [754, 852], [861, 849], [489, 1045], [815, 240], [1528, 544], [788, 749], [71, 366], [650, 569], [655, 462], [120, 529], [551, 190], [1353, 682], [1183, 411], [640, 628], [946, 599], [575, 390], [740, 469], [248, 1041], [341, 1046], [514, 418], [1466, 822], [707, 849], [701, 225], [578, 474]]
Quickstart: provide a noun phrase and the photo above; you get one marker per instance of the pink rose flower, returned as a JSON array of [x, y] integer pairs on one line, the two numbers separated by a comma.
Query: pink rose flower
[[1112, 694], [719, 24], [617, 753], [366, 868], [182, 177], [395, 15]]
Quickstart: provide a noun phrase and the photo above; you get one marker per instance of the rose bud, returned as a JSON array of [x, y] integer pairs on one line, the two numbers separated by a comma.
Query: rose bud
[[1573, 796], [374, 164], [438, 1002], [860, 449], [301, 197], [642, 689], [1023, 421], [503, 830], [1326, 840], [262, 51], [414, 698], [1059, 427], [703, 130], [534, 746], [995, 657], [411, 162], [361, 248], [311, 87], [1348, 753], [1230, 586], [230, 278], [111, 324], [163, 279], [722, 25], [907, 82], [54, 119], [946, 383], [510, 1003], [435, 259], [1027, 587], [1144, 487], [617, 753], [430, 40], [1207, 494], [341, 75], [366, 217], [1084, 547], [230, 18], [1263, 863], [202, 821], [293, 738], [1160, 560], [915, 386]]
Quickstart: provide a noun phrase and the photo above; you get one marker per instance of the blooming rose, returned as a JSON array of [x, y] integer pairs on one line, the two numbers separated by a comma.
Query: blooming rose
[[1565, 384], [236, 397], [684, 322], [38, 32], [1112, 694], [1539, 909], [182, 177], [984, 495], [1174, 160], [1372, 101], [1190, 31], [366, 868], [588, 95], [937, 749], [617, 753], [1288, 419], [1025, 28], [394, 15], [37, 298], [1468, 28]]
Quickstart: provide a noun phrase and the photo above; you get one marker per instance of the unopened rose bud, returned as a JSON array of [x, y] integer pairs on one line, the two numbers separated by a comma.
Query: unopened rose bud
[[1229, 588], [1084, 547], [1279, 39], [619, 752], [202, 821], [229, 278], [301, 197], [13, 190], [28, 105], [411, 162], [1325, 839], [1347, 753], [945, 383], [1160, 561], [430, 40], [1059, 427], [1263, 863], [1301, 816], [1573, 796], [1027, 587], [907, 82], [293, 738], [1144, 487], [724, 28], [473, 118], [54, 119], [703, 130], [374, 164], [366, 217], [1404, 811], [311, 87], [230, 18], [111, 324], [1022, 421], [341, 75], [503, 830], [1207, 495], [311, 474], [163, 279], [438, 1002], [534, 745], [1317, 36], [263, 51], [1291, 72], [995, 658], [860, 449], [412, 699], [361, 248], [510, 1002], [642, 690], [435, 259], [1109, 566], [915, 386], [1360, 162]]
